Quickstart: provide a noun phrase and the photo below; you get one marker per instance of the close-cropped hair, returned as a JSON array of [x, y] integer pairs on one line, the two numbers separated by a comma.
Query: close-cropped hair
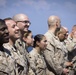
[[2, 22], [61, 30], [73, 26], [38, 38], [9, 18], [27, 33]]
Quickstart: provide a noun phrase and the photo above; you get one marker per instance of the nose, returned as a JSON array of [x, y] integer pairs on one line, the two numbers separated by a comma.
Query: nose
[[6, 31], [17, 28], [33, 39]]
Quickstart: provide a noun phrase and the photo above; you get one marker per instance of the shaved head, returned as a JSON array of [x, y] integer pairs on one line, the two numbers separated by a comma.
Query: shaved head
[[52, 20], [65, 28], [22, 22], [20, 17], [62, 29]]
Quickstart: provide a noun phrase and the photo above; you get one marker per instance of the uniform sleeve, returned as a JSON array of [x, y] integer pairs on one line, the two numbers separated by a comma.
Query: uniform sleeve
[[4, 70], [32, 63], [51, 61]]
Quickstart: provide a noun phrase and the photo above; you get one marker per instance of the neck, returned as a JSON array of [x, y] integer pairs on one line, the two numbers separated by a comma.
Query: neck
[[51, 30], [38, 49], [22, 34], [12, 41], [26, 45]]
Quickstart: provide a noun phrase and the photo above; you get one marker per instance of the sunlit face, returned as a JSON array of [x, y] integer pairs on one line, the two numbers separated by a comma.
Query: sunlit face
[[23, 24], [13, 29], [4, 35], [59, 23], [29, 40], [62, 36], [73, 30], [43, 43]]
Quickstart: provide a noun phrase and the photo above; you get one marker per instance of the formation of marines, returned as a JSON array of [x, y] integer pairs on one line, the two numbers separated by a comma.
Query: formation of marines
[[53, 53]]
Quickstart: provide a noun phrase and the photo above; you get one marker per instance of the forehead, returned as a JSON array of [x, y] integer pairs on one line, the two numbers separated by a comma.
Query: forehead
[[74, 28], [3, 26], [10, 22], [23, 18], [43, 38]]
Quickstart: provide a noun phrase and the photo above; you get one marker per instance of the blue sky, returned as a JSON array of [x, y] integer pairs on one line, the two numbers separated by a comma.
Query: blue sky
[[38, 12]]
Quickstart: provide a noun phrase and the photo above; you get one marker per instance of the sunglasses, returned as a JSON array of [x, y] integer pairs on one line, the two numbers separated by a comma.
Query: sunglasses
[[25, 22]]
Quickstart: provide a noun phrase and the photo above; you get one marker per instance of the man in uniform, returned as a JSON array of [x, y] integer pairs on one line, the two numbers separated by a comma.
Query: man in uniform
[[4, 38], [53, 53], [23, 23], [71, 47], [19, 60]]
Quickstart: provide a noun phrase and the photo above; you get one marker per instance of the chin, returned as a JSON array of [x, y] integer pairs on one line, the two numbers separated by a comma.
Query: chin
[[25, 30]]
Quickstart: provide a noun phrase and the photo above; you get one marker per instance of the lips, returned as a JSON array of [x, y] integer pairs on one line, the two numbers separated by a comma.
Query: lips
[[6, 37], [17, 32], [26, 26]]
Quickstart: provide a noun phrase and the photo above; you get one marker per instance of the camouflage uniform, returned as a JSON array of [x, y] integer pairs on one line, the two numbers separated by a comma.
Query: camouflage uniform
[[38, 63], [20, 44], [4, 69], [20, 62], [65, 52], [71, 47], [54, 54], [70, 43]]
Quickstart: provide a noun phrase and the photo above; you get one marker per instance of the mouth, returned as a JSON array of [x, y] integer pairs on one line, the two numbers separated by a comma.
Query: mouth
[[16, 32], [6, 35], [26, 26]]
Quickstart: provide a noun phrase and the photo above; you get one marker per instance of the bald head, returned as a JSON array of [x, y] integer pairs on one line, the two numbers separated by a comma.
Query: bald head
[[65, 28], [62, 34], [52, 20], [20, 17], [62, 29]]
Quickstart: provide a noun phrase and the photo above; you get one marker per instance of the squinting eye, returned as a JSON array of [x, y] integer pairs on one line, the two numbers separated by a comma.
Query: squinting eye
[[3, 28]]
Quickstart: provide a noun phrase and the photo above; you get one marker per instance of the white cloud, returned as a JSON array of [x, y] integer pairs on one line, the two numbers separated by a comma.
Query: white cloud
[[38, 4], [3, 3], [46, 5]]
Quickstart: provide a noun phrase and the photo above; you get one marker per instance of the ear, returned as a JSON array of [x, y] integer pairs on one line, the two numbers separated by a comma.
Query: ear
[[24, 38], [37, 43], [56, 24]]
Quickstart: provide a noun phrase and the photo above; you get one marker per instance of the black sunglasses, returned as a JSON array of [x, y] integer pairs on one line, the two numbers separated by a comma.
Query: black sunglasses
[[25, 21]]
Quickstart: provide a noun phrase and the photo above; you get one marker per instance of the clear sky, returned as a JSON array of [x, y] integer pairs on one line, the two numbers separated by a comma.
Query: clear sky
[[38, 12]]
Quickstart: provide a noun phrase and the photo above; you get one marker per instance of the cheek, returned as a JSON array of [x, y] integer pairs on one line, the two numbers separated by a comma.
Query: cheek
[[9, 29], [28, 40], [20, 26], [11, 33], [1, 33], [42, 45]]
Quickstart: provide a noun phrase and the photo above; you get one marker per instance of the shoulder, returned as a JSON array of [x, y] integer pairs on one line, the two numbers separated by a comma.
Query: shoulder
[[32, 52], [7, 45]]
